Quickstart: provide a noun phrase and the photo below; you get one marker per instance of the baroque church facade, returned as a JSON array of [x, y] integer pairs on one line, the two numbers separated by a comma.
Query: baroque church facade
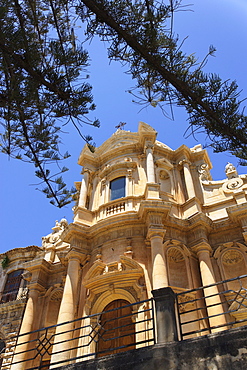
[[146, 217]]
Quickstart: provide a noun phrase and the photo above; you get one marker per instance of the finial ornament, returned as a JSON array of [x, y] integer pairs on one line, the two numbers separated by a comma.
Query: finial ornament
[[231, 171]]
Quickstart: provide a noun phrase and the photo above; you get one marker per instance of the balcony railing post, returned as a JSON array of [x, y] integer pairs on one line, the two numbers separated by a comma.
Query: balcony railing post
[[166, 326]]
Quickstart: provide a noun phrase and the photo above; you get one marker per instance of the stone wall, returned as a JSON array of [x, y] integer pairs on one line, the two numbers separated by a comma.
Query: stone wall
[[221, 351]]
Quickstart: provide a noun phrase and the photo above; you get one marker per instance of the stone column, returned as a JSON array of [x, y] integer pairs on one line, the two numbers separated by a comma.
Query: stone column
[[207, 275], [188, 178], [159, 269], [150, 163], [166, 325], [83, 191], [64, 335], [95, 196], [29, 320], [129, 185]]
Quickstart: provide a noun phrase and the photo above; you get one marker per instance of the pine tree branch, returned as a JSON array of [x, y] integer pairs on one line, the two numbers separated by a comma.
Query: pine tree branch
[[155, 63]]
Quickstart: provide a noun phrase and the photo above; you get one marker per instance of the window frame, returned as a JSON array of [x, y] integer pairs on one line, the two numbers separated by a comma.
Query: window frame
[[12, 286], [121, 188]]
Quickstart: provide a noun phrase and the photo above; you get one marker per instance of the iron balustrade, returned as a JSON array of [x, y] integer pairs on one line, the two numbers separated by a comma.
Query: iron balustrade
[[81, 338], [36, 347], [233, 299]]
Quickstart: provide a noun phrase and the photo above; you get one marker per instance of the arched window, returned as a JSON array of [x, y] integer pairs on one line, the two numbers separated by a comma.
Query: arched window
[[12, 286], [117, 188]]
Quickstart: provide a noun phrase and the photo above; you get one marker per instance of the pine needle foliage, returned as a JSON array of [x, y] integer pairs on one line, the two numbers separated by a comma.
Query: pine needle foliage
[[43, 77], [140, 34], [42, 83]]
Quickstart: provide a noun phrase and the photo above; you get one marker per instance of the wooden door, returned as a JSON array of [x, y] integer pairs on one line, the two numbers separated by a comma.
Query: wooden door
[[117, 329]]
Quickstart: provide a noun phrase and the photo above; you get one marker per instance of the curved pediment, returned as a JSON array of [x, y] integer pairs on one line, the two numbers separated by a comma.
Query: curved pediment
[[101, 274], [121, 165]]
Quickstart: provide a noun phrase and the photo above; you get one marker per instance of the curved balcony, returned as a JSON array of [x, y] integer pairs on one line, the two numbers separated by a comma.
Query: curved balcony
[[112, 208], [121, 205]]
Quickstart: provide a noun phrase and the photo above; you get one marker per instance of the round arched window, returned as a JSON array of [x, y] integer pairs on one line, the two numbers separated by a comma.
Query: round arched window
[[117, 188]]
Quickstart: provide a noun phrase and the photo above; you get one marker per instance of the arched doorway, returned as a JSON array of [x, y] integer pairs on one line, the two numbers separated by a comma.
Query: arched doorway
[[117, 329]]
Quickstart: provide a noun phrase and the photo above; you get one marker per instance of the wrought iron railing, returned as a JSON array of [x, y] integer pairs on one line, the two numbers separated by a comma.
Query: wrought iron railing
[[200, 311], [227, 307], [86, 338]]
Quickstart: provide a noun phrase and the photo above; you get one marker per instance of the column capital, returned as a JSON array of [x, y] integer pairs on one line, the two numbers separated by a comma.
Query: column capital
[[148, 145], [74, 254], [184, 162], [35, 288], [86, 171], [154, 232], [202, 247]]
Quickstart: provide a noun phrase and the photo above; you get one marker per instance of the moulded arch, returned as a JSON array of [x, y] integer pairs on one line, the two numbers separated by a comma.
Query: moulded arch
[[53, 306], [109, 296], [231, 259], [178, 264], [165, 180], [232, 262], [119, 279]]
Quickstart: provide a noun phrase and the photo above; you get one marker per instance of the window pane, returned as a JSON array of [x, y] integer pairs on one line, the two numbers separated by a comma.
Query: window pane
[[12, 286], [117, 188]]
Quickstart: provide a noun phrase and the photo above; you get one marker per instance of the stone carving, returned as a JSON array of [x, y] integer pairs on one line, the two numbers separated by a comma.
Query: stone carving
[[149, 145], [27, 275], [155, 219], [231, 171], [129, 252], [99, 255], [23, 293], [184, 162], [204, 172], [175, 255], [164, 175], [129, 173], [232, 184], [232, 257], [53, 237], [185, 303]]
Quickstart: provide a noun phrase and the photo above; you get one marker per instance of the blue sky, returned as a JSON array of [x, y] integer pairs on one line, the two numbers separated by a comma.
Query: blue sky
[[26, 215]]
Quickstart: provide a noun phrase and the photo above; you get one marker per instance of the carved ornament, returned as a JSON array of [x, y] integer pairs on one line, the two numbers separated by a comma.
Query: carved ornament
[[231, 171], [54, 237], [232, 184], [100, 275], [232, 257], [204, 172]]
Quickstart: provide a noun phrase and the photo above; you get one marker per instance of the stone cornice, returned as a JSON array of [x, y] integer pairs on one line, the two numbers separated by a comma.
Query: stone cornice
[[238, 211], [200, 220], [146, 134], [37, 264], [17, 253]]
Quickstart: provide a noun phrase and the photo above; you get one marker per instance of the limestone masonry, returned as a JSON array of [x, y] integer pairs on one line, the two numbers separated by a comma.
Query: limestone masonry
[[146, 217]]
